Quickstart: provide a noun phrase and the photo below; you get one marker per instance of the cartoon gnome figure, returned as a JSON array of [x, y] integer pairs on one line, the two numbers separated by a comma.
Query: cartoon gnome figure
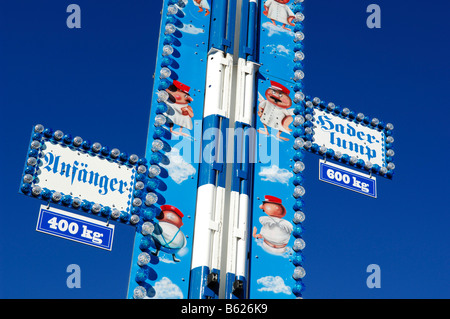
[[278, 10], [275, 230], [178, 110], [167, 235], [274, 112]]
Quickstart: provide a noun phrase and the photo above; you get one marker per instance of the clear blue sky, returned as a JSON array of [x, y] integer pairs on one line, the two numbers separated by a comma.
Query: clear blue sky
[[96, 82]]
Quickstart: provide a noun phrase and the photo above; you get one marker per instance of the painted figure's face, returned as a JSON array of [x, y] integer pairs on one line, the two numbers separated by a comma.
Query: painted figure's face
[[282, 1], [170, 217], [180, 96], [274, 210], [278, 98]]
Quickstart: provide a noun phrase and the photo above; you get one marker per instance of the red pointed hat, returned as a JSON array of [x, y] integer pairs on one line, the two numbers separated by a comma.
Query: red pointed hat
[[172, 209], [274, 200], [279, 87], [181, 86]]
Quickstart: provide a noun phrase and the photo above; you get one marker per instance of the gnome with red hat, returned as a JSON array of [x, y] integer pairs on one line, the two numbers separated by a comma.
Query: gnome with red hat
[[274, 112], [167, 235], [178, 110], [275, 230]]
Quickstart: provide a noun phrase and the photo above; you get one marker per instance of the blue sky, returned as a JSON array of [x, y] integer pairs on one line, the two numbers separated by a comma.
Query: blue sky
[[96, 82]]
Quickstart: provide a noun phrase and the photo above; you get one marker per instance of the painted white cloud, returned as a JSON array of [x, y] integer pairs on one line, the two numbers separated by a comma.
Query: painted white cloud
[[273, 284], [166, 289], [191, 29], [276, 29], [275, 174], [279, 49], [179, 169]]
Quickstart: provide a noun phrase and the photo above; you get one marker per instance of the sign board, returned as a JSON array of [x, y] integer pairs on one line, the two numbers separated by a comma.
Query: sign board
[[347, 178], [77, 174], [354, 140], [74, 227]]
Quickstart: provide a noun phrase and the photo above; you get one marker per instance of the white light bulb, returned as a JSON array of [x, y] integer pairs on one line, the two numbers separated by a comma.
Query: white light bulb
[[134, 219], [299, 273], [299, 120], [390, 140], [167, 50], [77, 141], [137, 202], [169, 29], [151, 199], [346, 111], [299, 191], [299, 17], [154, 171], [96, 147], [299, 167], [76, 202], [143, 259], [360, 116], [28, 178], [165, 73], [133, 159], [299, 217], [142, 169], [299, 96], [139, 185], [35, 145], [115, 153], [299, 244], [163, 96], [299, 142], [172, 9], [157, 145], [58, 135], [299, 56], [299, 75], [299, 36], [36, 190], [39, 128], [147, 228], [323, 150], [115, 213], [96, 208], [139, 292], [160, 120]]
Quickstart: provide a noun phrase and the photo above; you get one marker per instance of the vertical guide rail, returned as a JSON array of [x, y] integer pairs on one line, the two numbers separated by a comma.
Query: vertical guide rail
[[207, 242], [242, 175]]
